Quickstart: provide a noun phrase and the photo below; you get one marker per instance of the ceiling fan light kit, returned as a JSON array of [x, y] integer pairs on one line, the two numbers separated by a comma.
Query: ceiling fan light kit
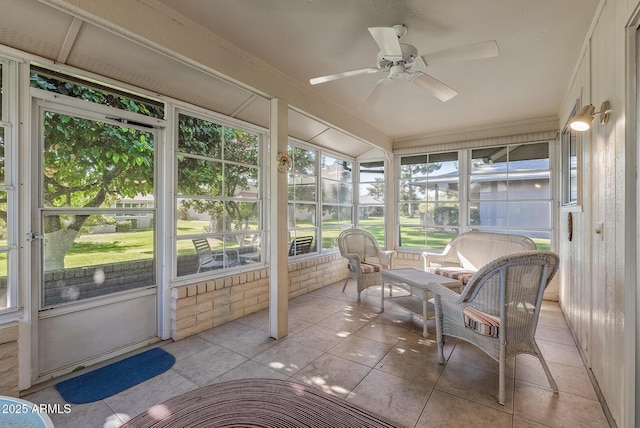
[[402, 60]]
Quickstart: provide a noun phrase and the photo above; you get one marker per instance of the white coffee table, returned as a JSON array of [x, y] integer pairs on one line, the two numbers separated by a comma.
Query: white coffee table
[[415, 282]]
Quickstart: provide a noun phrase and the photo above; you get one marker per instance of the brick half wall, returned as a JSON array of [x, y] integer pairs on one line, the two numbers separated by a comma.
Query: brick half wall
[[201, 306], [9, 360]]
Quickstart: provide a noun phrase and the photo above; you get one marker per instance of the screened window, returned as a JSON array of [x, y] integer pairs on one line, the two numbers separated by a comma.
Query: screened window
[[8, 247], [70, 86], [337, 199], [218, 196], [85, 237], [303, 196], [429, 200], [569, 141], [371, 199], [510, 192], [2, 97]]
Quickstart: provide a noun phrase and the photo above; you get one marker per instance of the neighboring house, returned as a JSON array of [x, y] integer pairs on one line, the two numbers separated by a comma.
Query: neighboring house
[[139, 220], [490, 186]]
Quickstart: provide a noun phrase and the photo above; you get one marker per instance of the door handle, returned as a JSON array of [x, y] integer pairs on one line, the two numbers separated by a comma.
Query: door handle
[[31, 236]]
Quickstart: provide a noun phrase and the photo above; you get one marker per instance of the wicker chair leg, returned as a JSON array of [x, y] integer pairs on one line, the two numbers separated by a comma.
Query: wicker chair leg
[[552, 381], [501, 376], [440, 341], [345, 284], [501, 385]]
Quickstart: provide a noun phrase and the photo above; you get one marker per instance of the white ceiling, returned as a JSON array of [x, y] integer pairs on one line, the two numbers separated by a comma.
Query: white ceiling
[[539, 43]]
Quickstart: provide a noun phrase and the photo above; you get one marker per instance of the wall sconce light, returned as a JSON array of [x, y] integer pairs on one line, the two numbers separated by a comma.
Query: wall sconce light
[[582, 121]]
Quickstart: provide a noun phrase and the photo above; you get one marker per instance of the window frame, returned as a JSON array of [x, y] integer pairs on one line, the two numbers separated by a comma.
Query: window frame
[[63, 105], [320, 231], [571, 142], [338, 205], [465, 201], [8, 121], [510, 201], [292, 175], [459, 156], [260, 234], [359, 204]]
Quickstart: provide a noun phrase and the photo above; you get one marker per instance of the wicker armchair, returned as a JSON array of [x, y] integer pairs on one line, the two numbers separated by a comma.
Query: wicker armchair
[[365, 256], [498, 309]]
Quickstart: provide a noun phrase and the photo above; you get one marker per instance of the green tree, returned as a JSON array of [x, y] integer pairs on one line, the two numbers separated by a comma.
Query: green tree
[[376, 190], [410, 191], [302, 184], [88, 163], [210, 182]]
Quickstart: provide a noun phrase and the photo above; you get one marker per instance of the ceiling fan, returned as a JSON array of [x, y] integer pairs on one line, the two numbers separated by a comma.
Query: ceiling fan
[[402, 60]]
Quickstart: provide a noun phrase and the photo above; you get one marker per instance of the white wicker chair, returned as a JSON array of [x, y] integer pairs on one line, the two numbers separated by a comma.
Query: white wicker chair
[[498, 309], [365, 256]]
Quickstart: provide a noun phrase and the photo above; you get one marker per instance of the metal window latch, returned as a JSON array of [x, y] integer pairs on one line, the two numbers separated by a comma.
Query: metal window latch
[[31, 236]]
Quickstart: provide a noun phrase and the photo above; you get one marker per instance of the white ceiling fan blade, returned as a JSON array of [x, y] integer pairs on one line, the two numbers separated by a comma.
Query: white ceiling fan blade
[[374, 94], [433, 86], [387, 40], [479, 50], [342, 75]]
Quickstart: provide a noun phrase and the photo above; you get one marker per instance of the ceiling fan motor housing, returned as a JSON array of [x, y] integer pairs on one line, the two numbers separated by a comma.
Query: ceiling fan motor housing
[[401, 30], [397, 70], [409, 54]]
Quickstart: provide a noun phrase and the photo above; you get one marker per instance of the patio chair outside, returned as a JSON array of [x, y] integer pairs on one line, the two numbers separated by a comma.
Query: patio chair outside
[[208, 259], [300, 245], [365, 256], [498, 309]]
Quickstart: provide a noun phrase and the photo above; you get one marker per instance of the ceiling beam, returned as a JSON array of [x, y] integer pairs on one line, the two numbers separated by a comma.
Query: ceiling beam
[[69, 40], [171, 34]]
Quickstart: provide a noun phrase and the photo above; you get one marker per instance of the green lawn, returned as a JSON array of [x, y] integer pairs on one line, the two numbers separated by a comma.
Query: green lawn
[[92, 249]]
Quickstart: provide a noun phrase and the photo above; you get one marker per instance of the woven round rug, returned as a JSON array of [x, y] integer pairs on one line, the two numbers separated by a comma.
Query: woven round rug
[[271, 403]]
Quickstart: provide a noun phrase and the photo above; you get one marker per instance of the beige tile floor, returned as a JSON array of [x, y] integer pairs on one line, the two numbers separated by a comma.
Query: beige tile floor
[[379, 361]]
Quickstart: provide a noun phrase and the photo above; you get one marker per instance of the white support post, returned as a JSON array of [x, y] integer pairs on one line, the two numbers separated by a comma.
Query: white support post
[[279, 263], [390, 203]]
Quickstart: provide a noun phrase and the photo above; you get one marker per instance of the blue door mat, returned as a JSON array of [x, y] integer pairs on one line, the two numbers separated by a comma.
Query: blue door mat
[[114, 378]]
